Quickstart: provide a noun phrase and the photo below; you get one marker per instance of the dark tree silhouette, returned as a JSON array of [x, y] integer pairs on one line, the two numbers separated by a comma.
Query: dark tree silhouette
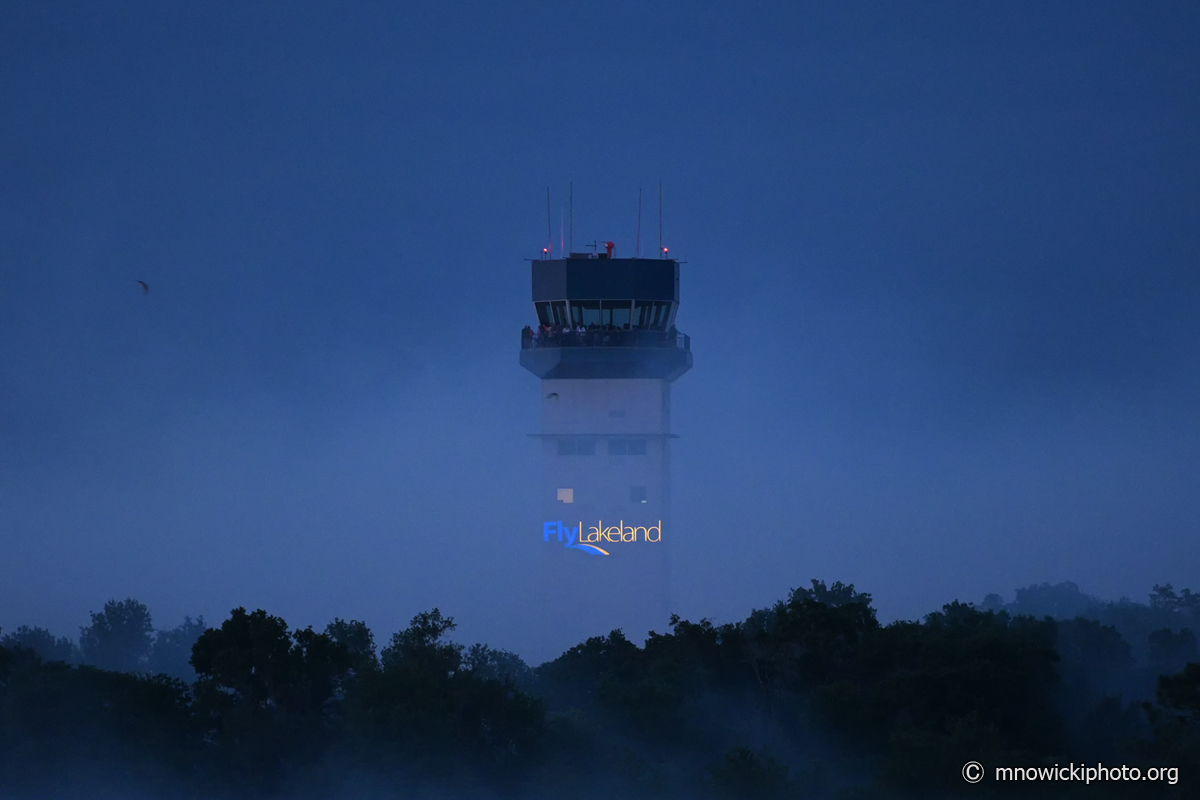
[[266, 668], [1185, 601], [1060, 601], [422, 646], [1181, 693], [42, 642], [1171, 651], [1094, 656], [119, 637], [811, 697], [171, 652], [358, 640], [498, 665]]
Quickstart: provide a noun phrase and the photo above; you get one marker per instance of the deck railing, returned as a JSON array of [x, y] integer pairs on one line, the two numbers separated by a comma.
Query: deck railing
[[635, 337]]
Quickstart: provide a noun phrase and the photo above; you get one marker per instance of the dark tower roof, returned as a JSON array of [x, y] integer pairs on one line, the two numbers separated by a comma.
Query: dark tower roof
[[602, 278]]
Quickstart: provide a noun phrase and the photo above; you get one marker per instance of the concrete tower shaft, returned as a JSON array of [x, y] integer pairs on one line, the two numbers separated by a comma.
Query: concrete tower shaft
[[607, 350]]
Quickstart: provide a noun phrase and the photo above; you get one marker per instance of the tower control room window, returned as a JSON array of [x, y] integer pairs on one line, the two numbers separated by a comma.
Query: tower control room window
[[558, 309], [651, 314], [615, 313], [554, 313], [585, 312]]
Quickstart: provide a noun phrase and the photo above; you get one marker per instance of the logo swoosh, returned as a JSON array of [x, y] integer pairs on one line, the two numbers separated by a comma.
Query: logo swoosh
[[588, 548]]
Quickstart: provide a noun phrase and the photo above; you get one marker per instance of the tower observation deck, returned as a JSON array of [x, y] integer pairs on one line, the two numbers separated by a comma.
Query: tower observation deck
[[606, 349], [606, 318]]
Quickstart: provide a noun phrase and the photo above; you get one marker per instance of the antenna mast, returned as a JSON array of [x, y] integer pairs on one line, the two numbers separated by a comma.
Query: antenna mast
[[660, 247], [639, 233], [571, 206], [549, 226]]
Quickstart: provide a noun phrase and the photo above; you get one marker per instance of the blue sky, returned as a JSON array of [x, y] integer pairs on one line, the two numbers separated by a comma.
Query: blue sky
[[941, 282]]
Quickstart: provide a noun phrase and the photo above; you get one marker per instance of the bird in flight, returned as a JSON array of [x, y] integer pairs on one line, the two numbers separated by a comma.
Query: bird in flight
[[145, 287]]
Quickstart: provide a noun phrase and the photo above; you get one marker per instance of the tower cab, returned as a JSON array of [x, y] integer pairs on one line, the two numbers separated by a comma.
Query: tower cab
[[601, 317]]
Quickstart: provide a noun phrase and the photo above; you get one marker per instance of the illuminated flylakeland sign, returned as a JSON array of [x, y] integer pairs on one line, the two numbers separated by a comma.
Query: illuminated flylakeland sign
[[589, 540]]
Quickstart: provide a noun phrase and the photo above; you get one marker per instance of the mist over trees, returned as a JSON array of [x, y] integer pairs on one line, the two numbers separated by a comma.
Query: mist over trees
[[1168, 611], [171, 650], [809, 698], [43, 643], [119, 638]]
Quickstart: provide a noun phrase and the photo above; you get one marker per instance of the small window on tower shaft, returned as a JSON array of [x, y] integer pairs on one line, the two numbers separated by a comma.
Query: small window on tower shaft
[[566, 495], [566, 447], [637, 447], [585, 447], [617, 447], [637, 494]]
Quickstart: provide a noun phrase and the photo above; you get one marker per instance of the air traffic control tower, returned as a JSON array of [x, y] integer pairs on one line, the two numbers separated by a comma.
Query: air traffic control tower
[[606, 350]]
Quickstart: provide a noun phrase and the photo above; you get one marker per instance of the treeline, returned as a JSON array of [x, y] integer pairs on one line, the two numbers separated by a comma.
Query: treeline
[[1158, 633], [121, 638], [811, 698]]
